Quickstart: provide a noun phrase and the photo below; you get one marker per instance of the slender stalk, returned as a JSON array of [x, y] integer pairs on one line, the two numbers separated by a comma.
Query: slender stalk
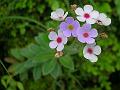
[[77, 81], [5, 69], [25, 18]]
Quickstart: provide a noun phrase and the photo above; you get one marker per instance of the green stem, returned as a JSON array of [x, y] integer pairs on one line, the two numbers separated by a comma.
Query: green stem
[[5, 68], [25, 18], [77, 81]]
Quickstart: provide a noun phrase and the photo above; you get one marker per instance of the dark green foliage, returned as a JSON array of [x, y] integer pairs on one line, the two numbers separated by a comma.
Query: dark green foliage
[[35, 64]]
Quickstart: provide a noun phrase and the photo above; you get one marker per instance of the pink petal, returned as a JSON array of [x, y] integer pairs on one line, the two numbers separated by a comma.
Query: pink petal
[[67, 33], [91, 21], [94, 14], [53, 44], [91, 57], [60, 12], [93, 33], [79, 11], [88, 8], [90, 40], [52, 35], [80, 18], [60, 47], [97, 50], [81, 39]]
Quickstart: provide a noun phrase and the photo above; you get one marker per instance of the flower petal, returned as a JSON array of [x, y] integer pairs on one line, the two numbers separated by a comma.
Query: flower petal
[[52, 35], [79, 11], [85, 49], [59, 12], [93, 33], [94, 14], [97, 50], [63, 26], [74, 34], [102, 16], [60, 47], [91, 57], [65, 39], [54, 16], [80, 18], [81, 39], [69, 20], [90, 21], [86, 27], [107, 22], [88, 8], [67, 33], [53, 44], [90, 40]]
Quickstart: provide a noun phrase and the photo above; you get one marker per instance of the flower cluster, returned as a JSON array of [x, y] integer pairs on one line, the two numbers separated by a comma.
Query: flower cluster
[[71, 27]]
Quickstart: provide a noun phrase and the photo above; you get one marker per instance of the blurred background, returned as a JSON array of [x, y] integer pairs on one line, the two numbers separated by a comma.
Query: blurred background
[[24, 25]]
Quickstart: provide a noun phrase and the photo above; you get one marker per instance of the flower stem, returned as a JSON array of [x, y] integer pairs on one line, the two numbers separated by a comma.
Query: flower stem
[[5, 68], [25, 18]]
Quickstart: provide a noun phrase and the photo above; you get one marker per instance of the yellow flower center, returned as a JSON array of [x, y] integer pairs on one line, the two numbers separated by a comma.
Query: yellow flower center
[[70, 27]]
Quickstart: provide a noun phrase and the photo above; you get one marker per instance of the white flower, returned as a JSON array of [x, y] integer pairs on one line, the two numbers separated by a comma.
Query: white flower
[[87, 14], [103, 19], [91, 51], [58, 15], [58, 41]]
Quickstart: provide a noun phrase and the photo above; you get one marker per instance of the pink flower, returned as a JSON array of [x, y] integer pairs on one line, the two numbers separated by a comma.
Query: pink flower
[[87, 14], [58, 41], [91, 51], [58, 14], [86, 35], [103, 19]]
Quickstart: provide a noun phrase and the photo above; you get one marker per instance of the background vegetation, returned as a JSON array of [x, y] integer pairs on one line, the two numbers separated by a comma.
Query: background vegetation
[[31, 64]]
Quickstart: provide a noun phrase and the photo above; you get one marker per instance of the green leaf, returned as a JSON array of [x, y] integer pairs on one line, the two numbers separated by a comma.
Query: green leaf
[[16, 53], [30, 51], [103, 7], [67, 62], [20, 85], [23, 76], [117, 2], [22, 67], [48, 67], [37, 73], [42, 39], [56, 71]]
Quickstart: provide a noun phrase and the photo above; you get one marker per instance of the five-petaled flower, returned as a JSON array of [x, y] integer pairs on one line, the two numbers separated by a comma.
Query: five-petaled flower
[[58, 15], [86, 35], [91, 51], [69, 27], [58, 41], [87, 14], [103, 19]]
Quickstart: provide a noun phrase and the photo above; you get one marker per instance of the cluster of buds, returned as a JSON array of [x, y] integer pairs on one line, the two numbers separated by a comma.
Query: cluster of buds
[[70, 27]]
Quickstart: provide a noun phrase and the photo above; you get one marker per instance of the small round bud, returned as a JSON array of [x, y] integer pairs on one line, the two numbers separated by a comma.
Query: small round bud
[[103, 35], [50, 30], [73, 7], [59, 54]]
